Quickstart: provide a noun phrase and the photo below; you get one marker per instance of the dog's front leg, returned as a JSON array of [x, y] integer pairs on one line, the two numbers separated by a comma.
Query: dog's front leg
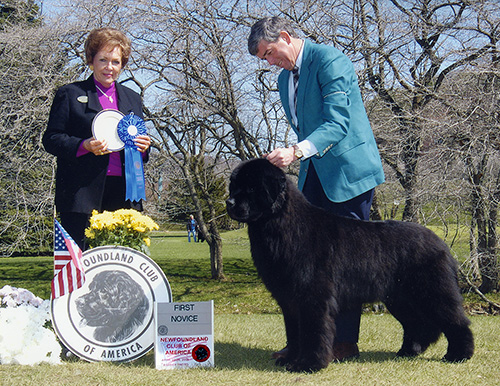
[[316, 334], [291, 318]]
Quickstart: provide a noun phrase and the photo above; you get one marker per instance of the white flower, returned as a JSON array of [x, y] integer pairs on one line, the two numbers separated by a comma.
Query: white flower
[[12, 296], [23, 338]]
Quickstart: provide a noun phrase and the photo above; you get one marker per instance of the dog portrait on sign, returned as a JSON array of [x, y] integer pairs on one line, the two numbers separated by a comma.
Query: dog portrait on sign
[[116, 306]]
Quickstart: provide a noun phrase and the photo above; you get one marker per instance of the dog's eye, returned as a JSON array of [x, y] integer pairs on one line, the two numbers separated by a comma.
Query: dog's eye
[[103, 295]]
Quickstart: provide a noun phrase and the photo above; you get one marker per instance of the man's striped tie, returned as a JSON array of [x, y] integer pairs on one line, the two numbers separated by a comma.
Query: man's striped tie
[[295, 73]]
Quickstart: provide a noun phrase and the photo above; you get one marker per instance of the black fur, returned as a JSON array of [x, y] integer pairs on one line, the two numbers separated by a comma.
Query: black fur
[[314, 263]]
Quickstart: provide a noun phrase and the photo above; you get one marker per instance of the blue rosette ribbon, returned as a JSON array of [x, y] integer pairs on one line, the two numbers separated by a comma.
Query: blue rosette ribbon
[[129, 127]]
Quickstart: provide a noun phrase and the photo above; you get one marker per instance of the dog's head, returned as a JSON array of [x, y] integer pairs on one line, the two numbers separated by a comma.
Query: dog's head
[[257, 190], [115, 305]]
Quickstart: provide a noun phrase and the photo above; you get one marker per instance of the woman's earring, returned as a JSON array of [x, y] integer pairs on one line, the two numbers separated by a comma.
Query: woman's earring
[[91, 67]]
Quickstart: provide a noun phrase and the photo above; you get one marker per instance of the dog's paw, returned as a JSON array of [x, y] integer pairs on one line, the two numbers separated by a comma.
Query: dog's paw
[[282, 361], [410, 350], [305, 366], [405, 355], [454, 358], [286, 360]]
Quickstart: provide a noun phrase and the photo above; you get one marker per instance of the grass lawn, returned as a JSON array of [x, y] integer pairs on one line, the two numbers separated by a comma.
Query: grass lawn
[[243, 347], [248, 328]]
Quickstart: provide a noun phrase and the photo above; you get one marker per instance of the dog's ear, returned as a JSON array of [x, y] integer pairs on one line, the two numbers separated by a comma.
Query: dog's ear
[[276, 190], [281, 198]]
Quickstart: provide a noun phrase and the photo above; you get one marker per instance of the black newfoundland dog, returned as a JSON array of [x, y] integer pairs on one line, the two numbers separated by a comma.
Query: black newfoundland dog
[[315, 263]]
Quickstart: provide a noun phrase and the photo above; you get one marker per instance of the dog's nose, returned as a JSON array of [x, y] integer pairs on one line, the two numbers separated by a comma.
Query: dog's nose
[[229, 203]]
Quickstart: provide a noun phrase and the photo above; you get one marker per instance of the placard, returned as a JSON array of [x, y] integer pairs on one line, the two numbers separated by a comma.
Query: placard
[[184, 335], [111, 318]]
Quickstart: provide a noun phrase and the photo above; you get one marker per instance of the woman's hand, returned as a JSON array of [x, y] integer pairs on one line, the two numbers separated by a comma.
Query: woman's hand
[[96, 146], [143, 143]]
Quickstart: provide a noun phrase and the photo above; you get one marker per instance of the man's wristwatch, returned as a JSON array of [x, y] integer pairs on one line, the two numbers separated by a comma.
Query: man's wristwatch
[[298, 153]]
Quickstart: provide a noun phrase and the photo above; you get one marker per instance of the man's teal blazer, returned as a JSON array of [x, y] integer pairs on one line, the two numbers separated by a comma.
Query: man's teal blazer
[[332, 116]]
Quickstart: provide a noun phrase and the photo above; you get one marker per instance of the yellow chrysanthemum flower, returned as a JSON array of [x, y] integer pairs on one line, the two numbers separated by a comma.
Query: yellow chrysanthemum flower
[[126, 227]]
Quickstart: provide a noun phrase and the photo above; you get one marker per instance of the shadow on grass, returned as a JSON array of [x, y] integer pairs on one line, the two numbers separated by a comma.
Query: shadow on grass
[[385, 356], [375, 356], [228, 356], [233, 356]]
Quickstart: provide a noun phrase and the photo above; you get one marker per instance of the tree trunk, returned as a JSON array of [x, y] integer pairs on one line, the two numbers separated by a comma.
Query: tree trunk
[[375, 209], [488, 260], [485, 221], [215, 243], [410, 157]]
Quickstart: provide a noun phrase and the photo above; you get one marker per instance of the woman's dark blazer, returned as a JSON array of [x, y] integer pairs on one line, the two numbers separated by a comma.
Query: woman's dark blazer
[[80, 180]]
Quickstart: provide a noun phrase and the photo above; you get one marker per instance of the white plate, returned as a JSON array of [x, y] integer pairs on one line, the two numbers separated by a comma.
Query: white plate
[[104, 126]]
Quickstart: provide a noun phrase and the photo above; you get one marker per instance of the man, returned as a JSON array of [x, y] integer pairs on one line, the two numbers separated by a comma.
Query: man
[[340, 163], [191, 228]]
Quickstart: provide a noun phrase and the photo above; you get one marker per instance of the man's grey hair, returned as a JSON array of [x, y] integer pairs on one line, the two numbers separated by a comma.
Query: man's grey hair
[[268, 29]]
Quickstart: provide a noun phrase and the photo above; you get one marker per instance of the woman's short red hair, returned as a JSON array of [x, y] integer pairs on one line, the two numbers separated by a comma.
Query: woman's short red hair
[[107, 37]]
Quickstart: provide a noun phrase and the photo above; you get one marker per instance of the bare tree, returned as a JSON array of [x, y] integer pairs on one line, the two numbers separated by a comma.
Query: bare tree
[[187, 71], [31, 65], [208, 102], [405, 51], [184, 65], [472, 138]]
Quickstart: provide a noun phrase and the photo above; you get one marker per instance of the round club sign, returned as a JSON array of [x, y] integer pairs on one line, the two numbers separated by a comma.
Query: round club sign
[[111, 318]]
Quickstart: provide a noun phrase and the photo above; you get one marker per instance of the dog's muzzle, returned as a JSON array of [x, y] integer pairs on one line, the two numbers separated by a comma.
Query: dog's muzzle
[[230, 203], [230, 207], [234, 211]]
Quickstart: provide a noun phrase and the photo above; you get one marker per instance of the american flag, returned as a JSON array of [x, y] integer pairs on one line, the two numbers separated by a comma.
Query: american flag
[[69, 274]]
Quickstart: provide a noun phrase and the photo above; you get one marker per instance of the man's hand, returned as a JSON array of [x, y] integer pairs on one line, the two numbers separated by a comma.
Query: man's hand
[[282, 157]]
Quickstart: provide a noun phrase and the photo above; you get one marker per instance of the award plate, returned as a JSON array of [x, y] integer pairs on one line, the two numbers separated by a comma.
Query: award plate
[[111, 318], [104, 126]]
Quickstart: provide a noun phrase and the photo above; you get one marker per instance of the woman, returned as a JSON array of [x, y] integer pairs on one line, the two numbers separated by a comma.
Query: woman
[[89, 176]]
